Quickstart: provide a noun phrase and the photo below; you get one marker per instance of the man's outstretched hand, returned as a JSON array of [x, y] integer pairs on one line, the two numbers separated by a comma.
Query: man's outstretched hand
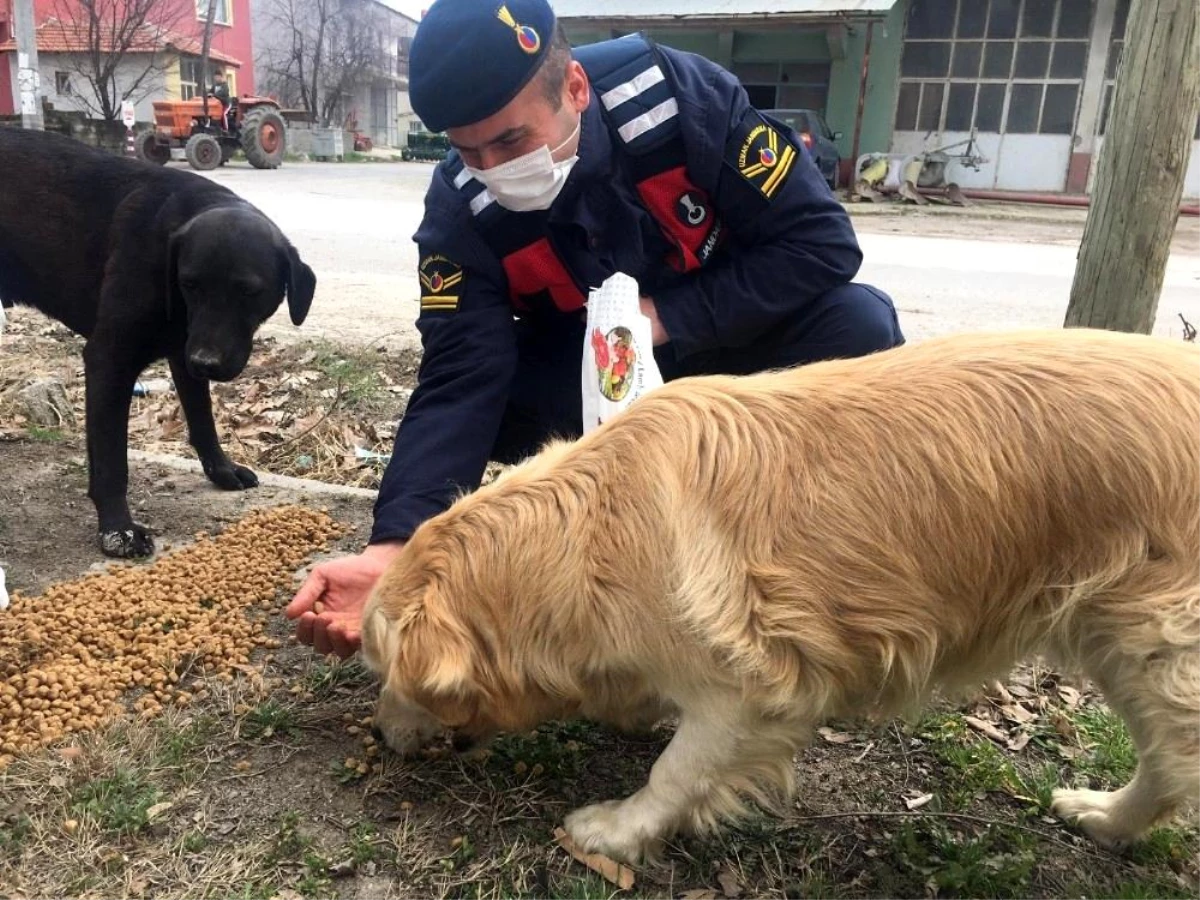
[[342, 587]]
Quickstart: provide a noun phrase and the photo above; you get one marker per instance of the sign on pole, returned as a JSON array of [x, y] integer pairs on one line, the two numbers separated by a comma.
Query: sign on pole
[[129, 117]]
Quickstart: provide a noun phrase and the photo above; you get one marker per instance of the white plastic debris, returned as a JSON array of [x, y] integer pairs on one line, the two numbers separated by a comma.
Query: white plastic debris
[[3, 592], [618, 353], [153, 386]]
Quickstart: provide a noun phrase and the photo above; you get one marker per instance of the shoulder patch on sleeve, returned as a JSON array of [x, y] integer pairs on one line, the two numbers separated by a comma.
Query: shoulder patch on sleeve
[[441, 283], [761, 154]]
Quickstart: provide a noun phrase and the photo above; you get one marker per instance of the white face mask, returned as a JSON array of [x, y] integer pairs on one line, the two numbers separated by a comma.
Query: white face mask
[[531, 181]]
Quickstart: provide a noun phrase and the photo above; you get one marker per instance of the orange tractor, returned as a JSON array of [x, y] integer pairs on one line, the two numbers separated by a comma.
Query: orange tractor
[[256, 127]]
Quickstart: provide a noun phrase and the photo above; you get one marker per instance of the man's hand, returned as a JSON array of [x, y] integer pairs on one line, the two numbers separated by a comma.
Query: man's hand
[[658, 334], [341, 586]]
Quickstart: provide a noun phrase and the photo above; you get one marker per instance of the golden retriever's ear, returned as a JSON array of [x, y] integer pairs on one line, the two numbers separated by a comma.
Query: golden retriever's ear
[[437, 664]]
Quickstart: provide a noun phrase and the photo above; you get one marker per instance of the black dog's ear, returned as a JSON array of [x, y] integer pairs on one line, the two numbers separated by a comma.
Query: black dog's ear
[[301, 285], [172, 294]]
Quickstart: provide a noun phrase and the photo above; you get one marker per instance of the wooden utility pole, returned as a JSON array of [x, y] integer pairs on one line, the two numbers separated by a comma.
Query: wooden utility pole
[[205, 46], [29, 80], [1139, 181]]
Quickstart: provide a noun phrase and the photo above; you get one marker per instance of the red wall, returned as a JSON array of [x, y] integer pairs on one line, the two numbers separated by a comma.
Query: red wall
[[7, 107], [235, 40]]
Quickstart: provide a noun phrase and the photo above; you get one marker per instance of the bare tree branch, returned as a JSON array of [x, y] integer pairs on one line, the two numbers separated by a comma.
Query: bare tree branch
[[116, 46], [313, 53]]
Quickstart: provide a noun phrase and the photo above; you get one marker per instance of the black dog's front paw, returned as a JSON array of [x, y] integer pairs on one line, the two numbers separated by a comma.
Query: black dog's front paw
[[127, 543], [229, 476]]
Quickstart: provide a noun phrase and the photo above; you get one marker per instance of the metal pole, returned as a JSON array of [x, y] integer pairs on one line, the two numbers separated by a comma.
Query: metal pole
[[29, 81]]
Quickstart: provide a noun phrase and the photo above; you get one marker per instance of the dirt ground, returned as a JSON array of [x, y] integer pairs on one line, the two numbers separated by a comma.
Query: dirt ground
[[271, 787], [264, 795]]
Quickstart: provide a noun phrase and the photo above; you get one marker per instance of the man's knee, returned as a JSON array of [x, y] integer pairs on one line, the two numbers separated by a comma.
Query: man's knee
[[859, 319]]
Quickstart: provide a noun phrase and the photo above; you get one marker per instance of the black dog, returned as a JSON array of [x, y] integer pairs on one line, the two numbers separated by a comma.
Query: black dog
[[146, 263]]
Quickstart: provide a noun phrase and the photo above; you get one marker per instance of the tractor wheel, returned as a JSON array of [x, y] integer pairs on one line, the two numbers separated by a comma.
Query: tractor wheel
[[203, 152], [149, 149], [264, 137]]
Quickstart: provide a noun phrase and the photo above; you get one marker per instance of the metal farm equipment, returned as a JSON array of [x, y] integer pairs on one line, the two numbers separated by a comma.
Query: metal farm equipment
[[910, 176]]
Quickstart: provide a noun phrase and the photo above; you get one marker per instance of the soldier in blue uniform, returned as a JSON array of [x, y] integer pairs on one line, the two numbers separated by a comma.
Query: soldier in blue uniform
[[570, 165]]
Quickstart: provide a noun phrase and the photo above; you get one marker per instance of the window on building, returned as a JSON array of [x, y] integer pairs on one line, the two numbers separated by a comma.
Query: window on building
[[786, 85], [1115, 46], [62, 84], [189, 77], [222, 15], [993, 65]]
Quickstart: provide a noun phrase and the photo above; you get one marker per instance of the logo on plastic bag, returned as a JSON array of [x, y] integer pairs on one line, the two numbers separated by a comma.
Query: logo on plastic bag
[[616, 356], [615, 370]]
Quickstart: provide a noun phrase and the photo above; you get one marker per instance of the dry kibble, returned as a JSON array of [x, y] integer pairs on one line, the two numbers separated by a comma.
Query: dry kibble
[[128, 628], [70, 826]]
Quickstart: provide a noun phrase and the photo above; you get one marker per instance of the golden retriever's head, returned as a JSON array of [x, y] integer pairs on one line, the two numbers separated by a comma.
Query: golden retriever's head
[[438, 642]]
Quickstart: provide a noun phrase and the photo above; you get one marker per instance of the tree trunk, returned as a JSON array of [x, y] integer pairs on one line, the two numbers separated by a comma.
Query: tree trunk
[[1135, 203]]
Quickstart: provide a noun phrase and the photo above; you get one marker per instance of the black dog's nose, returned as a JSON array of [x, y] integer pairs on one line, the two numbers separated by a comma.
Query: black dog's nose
[[376, 733], [205, 363]]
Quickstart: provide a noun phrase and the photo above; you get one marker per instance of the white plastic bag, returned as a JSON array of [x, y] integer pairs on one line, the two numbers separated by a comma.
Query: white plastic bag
[[618, 352]]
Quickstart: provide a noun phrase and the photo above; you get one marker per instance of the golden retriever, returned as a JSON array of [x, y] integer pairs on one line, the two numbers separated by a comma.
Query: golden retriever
[[758, 554]]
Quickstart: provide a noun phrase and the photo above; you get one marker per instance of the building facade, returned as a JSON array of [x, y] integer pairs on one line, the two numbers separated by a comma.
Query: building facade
[[1033, 78], [1030, 81], [343, 64], [160, 61]]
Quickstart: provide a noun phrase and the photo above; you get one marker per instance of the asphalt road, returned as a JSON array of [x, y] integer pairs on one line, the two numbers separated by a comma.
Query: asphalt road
[[993, 267]]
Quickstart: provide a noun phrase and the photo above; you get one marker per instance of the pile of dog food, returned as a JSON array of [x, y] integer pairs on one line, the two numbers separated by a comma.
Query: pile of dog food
[[71, 659]]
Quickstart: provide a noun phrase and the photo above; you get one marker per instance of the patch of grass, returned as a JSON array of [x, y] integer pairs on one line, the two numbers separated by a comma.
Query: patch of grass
[[288, 843], [356, 373], [1169, 846], [316, 880], [194, 842], [555, 750], [1150, 889], [1111, 757], [267, 720], [944, 862], [1040, 784], [972, 765], [324, 678], [364, 844], [118, 802], [45, 435], [14, 833], [180, 745]]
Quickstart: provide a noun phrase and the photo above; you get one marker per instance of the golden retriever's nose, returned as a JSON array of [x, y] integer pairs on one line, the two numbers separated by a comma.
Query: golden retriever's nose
[[377, 734]]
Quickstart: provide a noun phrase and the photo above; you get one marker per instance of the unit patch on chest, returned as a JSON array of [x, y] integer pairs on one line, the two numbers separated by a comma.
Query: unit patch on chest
[[441, 283], [765, 159]]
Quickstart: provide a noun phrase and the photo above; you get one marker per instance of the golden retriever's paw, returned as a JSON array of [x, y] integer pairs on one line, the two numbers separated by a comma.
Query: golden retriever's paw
[[1091, 811], [613, 829]]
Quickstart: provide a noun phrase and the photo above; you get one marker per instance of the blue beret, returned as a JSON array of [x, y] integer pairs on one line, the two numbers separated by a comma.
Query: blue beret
[[470, 58]]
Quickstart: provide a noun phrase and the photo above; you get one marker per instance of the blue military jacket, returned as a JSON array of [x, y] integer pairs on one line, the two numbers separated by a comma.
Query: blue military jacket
[[786, 240]]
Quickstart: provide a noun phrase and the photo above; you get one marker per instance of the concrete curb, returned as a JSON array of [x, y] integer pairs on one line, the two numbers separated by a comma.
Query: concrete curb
[[266, 479]]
